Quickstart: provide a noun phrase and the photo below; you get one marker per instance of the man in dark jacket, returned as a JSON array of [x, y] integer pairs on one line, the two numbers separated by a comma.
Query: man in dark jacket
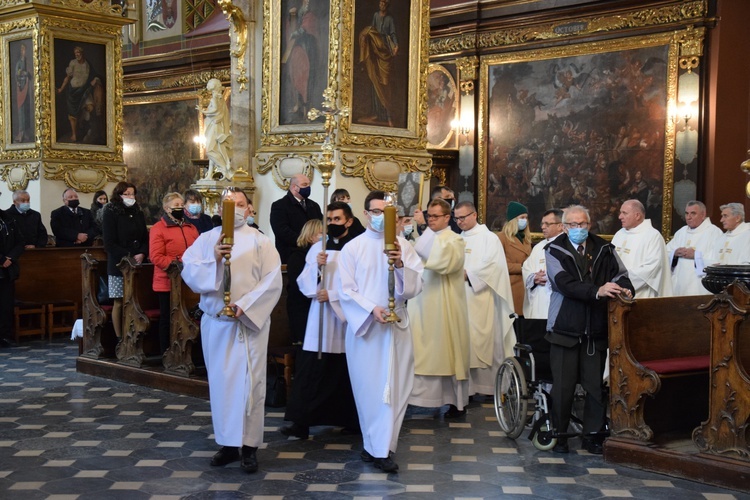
[[290, 213], [584, 271], [11, 248], [28, 221], [72, 224]]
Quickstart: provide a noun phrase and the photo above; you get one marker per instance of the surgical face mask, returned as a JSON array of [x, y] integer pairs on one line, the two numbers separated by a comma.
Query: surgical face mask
[[408, 230], [73, 203], [239, 218], [522, 224], [251, 220], [193, 208], [377, 223], [578, 234], [24, 207], [128, 202], [304, 192]]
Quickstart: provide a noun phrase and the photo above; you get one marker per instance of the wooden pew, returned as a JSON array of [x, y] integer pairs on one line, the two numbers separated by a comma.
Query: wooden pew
[[184, 331], [99, 339], [140, 309], [651, 341]]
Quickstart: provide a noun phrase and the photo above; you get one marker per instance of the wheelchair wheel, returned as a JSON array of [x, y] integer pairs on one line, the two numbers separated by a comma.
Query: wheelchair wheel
[[543, 440], [511, 398]]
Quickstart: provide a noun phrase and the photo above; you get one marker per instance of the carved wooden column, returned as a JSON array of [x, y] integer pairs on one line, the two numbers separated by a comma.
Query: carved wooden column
[[94, 317], [183, 331], [135, 323]]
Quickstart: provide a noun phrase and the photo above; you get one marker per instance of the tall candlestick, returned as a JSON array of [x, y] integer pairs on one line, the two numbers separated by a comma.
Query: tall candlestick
[[227, 220], [390, 227]]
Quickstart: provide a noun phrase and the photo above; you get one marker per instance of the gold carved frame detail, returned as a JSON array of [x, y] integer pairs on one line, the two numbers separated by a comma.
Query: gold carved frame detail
[[380, 172], [85, 178], [18, 175], [297, 164]]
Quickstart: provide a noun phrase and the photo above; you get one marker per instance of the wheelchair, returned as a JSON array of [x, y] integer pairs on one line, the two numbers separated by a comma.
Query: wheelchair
[[522, 386]]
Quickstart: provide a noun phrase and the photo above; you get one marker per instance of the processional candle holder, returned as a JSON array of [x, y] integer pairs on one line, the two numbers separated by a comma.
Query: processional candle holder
[[390, 214], [227, 227]]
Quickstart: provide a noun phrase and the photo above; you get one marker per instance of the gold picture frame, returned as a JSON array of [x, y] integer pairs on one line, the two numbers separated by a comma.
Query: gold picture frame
[[570, 102]]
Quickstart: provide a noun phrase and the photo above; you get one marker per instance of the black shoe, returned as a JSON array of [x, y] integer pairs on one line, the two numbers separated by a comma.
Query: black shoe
[[366, 457], [561, 446], [295, 430], [249, 462], [226, 455], [386, 464], [592, 446], [454, 412]]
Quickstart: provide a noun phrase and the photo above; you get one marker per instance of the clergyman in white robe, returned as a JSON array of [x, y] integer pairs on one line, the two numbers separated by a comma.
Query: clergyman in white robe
[[687, 273], [536, 299], [644, 254], [235, 350], [733, 247], [489, 301], [380, 355]]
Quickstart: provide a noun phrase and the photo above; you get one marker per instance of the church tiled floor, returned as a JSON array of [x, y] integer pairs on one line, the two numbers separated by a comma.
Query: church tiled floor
[[64, 435]]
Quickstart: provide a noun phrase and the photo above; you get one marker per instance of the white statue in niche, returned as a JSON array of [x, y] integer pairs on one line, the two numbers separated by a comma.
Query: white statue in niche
[[216, 130]]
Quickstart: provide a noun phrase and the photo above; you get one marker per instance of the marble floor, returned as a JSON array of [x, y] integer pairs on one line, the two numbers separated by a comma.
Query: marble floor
[[64, 435]]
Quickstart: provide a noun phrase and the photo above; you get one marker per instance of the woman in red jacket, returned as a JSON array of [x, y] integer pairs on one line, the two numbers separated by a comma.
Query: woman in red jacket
[[168, 240]]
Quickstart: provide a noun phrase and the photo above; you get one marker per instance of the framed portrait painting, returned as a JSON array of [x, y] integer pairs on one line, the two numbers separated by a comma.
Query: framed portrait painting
[[82, 93], [442, 107], [580, 124], [21, 83]]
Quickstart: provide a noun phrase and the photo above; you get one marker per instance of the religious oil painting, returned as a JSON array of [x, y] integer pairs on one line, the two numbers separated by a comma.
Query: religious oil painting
[[162, 19], [581, 124], [80, 88], [158, 148], [381, 63], [442, 107], [304, 58], [21, 84]]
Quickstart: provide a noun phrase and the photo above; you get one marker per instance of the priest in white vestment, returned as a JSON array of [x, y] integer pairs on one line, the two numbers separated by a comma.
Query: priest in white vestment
[[489, 300], [380, 354], [641, 248], [691, 249], [733, 248], [439, 320], [235, 349], [534, 269]]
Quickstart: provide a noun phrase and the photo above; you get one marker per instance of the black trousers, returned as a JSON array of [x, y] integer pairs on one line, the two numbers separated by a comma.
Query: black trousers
[[572, 365], [7, 299]]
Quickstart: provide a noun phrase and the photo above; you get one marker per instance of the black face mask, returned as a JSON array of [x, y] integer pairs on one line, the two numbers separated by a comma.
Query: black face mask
[[336, 230], [178, 213], [73, 203]]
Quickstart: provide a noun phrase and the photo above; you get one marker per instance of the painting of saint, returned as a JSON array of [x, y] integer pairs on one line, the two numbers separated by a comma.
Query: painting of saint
[[441, 106], [381, 65], [22, 91], [81, 90], [586, 129]]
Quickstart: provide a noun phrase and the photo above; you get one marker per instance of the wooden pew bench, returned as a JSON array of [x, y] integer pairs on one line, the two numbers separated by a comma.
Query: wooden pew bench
[[658, 347]]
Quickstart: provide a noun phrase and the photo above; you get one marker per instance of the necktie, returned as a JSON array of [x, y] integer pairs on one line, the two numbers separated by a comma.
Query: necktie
[[304, 205], [580, 249]]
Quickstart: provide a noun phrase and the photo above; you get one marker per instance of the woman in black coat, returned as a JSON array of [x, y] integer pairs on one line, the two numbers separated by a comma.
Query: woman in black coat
[[125, 234]]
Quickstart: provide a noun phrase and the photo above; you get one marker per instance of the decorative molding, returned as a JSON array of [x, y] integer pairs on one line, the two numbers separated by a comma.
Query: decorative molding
[[451, 44], [85, 178], [190, 80], [467, 69], [18, 175], [380, 172], [239, 25], [96, 6], [275, 164]]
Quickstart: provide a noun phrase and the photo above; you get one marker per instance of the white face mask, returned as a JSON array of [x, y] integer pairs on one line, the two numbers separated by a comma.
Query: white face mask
[[239, 217], [522, 224], [128, 202]]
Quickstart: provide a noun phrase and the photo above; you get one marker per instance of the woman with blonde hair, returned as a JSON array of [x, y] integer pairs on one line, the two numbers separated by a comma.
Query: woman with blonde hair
[[516, 240], [297, 305]]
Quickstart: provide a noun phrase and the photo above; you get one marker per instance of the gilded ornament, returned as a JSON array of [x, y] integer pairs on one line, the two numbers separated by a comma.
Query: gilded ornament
[[191, 80], [467, 68], [18, 175], [239, 26], [83, 177]]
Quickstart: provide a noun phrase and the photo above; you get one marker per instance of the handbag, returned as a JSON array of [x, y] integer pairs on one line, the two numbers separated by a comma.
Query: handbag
[[275, 384], [102, 292]]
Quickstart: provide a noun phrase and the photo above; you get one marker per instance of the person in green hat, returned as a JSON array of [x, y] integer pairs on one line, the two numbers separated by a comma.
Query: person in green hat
[[516, 240]]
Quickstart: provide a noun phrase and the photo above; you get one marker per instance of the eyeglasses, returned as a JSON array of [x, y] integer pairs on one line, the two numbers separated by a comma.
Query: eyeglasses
[[548, 224], [575, 225], [462, 218], [436, 216], [375, 211]]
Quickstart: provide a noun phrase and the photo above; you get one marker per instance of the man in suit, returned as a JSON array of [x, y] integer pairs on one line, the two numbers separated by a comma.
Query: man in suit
[[28, 221], [72, 224], [289, 214], [11, 248]]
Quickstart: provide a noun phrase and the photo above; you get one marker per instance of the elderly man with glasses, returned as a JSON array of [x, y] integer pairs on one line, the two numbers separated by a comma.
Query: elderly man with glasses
[[534, 270], [439, 319], [584, 271], [489, 300]]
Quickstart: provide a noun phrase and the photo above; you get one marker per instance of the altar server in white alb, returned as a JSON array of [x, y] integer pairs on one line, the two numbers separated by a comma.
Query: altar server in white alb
[[439, 320], [534, 269], [489, 300], [379, 354], [235, 349], [691, 250], [641, 248], [733, 248]]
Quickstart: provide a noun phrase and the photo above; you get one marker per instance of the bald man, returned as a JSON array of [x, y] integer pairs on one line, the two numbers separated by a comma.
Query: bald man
[[289, 214], [641, 248]]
